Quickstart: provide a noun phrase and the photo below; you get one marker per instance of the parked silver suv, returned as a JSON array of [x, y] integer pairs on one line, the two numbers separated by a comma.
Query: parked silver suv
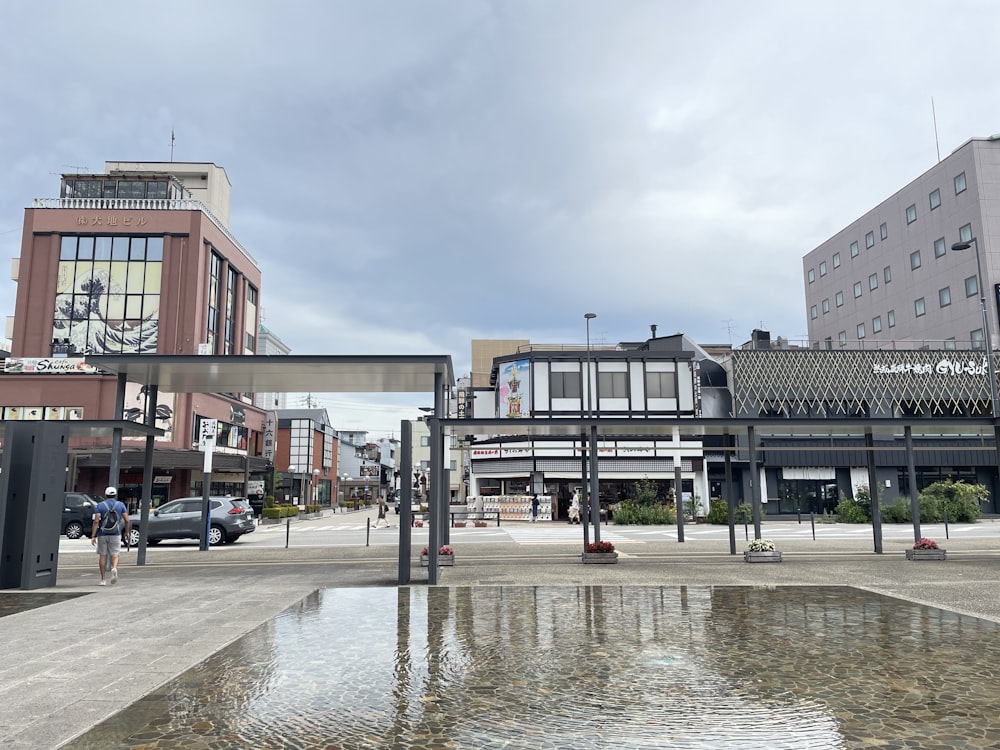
[[231, 518]]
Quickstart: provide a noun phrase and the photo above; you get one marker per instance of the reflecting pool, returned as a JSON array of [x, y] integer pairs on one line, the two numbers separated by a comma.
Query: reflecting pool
[[584, 668]]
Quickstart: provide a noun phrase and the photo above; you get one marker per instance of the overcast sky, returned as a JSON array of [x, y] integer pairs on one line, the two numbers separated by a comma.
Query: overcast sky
[[414, 174]]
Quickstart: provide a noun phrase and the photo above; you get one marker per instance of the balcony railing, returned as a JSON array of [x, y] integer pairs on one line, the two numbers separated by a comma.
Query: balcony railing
[[141, 204]]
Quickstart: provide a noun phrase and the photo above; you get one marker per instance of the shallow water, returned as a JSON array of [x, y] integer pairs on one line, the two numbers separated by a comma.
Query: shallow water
[[584, 668]]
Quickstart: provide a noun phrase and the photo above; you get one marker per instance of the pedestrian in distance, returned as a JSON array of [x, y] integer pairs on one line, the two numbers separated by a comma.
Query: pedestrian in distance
[[574, 509], [381, 515], [534, 508], [106, 534]]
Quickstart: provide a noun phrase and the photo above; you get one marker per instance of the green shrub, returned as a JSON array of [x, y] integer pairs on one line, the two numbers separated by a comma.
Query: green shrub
[[744, 512], [898, 512], [314, 508], [718, 512], [280, 511], [269, 501], [961, 500], [631, 513]]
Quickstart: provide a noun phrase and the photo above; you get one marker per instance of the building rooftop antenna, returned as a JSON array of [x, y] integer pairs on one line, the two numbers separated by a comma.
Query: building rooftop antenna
[[172, 144], [77, 168]]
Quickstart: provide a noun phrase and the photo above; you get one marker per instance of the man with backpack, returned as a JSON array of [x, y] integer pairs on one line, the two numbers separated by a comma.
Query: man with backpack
[[106, 534]]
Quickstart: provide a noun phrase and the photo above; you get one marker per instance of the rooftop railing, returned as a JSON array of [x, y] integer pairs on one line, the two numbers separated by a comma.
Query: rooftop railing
[[141, 204]]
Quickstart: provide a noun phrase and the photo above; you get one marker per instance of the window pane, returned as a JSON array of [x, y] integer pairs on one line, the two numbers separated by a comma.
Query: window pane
[[812, 276], [836, 260], [839, 298], [935, 199], [822, 268], [918, 307], [870, 240], [891, 317], [914, 260], [944, 296], [960, 183], [854, 249], [857, 289], [911, 214], [965, 233], [861, 330], [877, 324], [971, 286], [873, 281], [826, 306], [887, 274], [154, 248], [939, 247], [883, 230], [813, 312]]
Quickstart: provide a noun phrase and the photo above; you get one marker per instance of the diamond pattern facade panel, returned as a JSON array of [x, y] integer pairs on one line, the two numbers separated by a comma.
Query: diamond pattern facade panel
[[811, 383]]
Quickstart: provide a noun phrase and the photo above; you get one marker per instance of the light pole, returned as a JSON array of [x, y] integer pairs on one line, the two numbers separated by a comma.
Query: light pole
[[595, 491], [291, 484], [990, 367]]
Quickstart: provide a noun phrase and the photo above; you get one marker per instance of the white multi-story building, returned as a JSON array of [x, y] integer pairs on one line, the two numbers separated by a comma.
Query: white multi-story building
[[891, 275]]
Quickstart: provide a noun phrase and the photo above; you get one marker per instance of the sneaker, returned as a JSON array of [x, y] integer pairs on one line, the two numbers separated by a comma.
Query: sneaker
[[114, 575], [103, 583]]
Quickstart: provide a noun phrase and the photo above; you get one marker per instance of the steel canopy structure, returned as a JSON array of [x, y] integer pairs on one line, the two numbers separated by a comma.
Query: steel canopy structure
[[281, 374]]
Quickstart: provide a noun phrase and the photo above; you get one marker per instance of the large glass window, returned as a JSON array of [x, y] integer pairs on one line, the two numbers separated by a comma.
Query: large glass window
[[612, 385], [660, 385], [214, 292], [565, 384], [108, 293]]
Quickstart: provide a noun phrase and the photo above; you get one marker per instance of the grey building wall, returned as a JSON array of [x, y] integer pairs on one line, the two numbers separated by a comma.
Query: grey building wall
[[886, 238]]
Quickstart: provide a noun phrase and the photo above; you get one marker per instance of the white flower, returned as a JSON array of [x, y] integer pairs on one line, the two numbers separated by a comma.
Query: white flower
[[761, 545]]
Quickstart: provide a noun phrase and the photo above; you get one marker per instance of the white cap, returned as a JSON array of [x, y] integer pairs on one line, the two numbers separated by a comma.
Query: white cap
[[110, 492]]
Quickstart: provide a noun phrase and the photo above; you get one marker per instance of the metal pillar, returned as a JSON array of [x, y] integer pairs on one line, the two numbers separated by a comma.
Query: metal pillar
[[405, 500], [754, 480], [147, 475], [873, 491], [911, 470]]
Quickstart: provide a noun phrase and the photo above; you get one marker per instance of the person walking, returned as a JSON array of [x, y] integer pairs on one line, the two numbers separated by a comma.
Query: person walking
[[534, 508], [106, 534], [574, 509], [381, 515]]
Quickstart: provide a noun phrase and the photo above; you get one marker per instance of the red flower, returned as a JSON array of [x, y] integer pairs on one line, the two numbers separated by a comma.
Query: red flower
[[600, 547]]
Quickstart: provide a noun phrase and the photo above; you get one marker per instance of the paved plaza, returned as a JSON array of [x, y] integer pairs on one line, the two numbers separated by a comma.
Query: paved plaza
[[71, 664]]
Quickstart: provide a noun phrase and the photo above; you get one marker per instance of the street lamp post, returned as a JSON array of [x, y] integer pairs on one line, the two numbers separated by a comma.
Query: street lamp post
[[990, 366], [291, 484], [595, 492]]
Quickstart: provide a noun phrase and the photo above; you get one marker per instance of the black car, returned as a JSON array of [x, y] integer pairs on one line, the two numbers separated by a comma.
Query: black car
[[78, 515]]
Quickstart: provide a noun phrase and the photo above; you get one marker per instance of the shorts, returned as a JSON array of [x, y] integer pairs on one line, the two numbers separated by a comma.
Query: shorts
[[109, 545]]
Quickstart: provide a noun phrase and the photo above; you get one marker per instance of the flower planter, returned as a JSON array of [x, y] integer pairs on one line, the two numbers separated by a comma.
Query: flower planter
[[271, 521], [459, 524], [926, 554], [600, 558], [759, 557], [443, 560]]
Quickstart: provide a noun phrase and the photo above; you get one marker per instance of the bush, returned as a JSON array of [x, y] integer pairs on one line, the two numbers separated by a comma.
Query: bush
[[280, 511], [852, 511], [961, 500], [744, 512], [631, 513], [269, 501], [718, 512], [314, 508]]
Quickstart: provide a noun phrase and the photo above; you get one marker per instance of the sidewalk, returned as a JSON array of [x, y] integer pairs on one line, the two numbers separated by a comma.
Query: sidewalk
[[71, 664]]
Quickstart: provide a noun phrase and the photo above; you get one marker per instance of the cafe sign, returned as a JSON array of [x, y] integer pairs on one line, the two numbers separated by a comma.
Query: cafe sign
[[48, 366]]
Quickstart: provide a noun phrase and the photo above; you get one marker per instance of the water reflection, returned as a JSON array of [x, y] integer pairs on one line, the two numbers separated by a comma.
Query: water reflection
[[581, 668]]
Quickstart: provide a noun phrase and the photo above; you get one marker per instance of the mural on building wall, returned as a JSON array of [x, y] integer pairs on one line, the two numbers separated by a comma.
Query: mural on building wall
[[108, 295], [136, 399], [515, 392]]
